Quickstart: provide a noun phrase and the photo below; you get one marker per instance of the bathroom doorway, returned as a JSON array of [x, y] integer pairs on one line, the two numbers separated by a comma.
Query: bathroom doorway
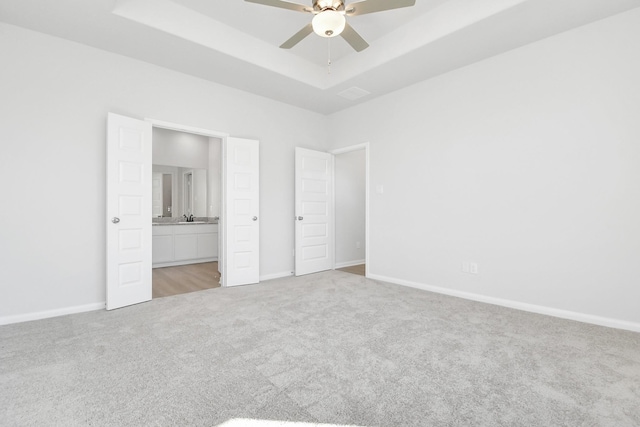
[[187, 204], [129, 207]]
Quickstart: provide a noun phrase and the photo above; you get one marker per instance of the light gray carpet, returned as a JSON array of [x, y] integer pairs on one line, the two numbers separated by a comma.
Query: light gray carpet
[[326, 348]]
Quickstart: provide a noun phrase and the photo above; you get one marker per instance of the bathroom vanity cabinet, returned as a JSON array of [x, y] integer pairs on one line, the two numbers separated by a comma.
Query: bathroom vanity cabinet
[[181, 244]]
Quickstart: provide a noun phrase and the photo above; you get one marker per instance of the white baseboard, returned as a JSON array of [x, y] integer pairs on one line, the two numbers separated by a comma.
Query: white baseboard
[[6, 320], [189, 261], [539, 309], [348, 264], [276, 275]]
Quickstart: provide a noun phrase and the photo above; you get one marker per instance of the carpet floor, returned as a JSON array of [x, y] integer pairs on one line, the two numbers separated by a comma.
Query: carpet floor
[[331, 348]]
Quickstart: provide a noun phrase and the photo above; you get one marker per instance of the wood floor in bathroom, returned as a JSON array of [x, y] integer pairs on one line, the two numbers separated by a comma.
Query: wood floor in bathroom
[[169, 281], [354, 269]]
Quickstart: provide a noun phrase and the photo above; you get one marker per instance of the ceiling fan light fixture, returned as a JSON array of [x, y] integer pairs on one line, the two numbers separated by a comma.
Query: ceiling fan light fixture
[[328, 23]]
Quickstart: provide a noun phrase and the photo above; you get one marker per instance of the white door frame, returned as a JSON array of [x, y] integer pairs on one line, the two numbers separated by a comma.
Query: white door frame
[[214, 134], [356, 147]]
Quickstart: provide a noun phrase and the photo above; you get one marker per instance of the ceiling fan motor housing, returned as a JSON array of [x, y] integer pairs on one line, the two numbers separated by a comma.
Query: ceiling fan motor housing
[[321, 5]]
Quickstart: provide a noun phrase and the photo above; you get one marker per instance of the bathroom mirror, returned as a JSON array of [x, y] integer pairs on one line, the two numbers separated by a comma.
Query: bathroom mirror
[[178, 191]]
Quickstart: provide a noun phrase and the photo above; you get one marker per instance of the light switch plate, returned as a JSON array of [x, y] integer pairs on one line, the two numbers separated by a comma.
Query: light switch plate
[[473, 268]]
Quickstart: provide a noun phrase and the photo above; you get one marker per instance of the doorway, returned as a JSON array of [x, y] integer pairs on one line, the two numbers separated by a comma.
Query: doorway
[[351, 208], [187, 179], [129, 207], [322, 194]]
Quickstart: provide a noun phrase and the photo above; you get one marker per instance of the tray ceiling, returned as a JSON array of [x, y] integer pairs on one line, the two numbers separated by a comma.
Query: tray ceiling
[[235, 43]]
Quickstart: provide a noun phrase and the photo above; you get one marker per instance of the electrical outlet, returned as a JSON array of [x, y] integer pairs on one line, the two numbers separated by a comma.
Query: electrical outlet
[[357, 245], [465, 267], [473, 268]]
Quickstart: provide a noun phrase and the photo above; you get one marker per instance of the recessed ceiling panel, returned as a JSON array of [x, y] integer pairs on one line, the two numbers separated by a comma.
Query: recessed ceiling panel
[[235, 43], [276, 25]]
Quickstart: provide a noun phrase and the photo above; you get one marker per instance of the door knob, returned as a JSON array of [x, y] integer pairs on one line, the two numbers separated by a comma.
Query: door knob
[[115, 220], [300, 218], [255, 218]]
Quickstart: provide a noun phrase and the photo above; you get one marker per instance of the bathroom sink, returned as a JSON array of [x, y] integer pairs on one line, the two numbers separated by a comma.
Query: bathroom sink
[[192, 222]]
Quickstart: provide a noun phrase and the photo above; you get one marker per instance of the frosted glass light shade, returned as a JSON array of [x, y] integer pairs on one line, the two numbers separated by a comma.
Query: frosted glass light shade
[[328, 23]]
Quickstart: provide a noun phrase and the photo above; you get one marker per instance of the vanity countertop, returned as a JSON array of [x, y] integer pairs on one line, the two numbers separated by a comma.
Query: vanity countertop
[[215, 221]]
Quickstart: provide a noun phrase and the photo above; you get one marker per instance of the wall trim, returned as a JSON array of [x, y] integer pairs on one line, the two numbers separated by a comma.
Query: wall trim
[[7, 320], [276, 276], [183, 128], [348, 264], [532, 308], [19, 318], [185, 262], [350, 148]]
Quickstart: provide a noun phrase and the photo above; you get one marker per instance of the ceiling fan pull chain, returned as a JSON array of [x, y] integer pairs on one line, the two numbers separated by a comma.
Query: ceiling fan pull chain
[[329, 56]]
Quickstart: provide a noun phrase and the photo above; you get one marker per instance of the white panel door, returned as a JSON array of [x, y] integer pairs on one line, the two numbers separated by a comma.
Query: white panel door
[[240, 219], [314, 211], [129, 241]]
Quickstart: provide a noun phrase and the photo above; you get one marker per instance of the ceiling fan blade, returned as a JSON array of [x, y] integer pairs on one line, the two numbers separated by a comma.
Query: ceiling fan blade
[[353, 38], [283, 4], [370, 6], [297, 37]]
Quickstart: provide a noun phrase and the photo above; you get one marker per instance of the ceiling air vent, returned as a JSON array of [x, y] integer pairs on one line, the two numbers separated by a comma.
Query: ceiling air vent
[[353, 93]]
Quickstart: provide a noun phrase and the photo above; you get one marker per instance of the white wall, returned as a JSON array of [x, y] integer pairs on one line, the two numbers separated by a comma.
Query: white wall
[[350, 193], [183, 149], [188, 151], [527, 163], [55, 99], [191, 151]]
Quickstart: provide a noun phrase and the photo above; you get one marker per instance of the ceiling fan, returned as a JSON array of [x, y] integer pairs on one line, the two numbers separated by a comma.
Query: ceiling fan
[[330, 18]]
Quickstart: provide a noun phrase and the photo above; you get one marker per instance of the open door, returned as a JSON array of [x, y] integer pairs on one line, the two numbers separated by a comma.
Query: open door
[[240, 225], [314, 211], [128, 211]]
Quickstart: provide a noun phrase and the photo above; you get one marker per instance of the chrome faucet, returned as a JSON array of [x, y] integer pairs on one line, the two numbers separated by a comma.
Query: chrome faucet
[[188, 218]]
